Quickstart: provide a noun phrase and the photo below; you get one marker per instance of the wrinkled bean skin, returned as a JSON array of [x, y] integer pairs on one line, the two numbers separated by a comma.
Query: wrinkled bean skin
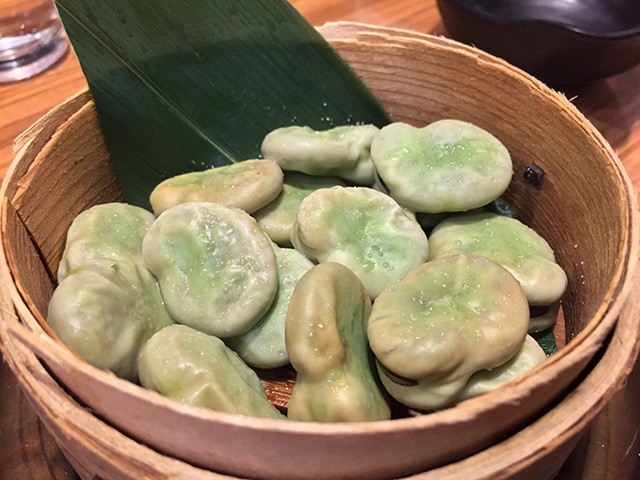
[[110, 230], [364, 230], [326, 340], [247, 185], [511, 243], [485, 381], [446, 166], [105, 311], [264, 345], [343, 152], [277, 218], [198, 369], [443, 322], [216, 269]]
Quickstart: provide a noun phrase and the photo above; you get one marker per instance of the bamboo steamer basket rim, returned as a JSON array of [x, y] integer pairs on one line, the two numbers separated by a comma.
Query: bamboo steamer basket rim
[[349, 39], [95, 448]]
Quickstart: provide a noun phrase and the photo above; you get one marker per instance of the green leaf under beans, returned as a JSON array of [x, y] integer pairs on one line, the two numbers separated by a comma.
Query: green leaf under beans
[[547, 341], [183, 86], [501, 207]]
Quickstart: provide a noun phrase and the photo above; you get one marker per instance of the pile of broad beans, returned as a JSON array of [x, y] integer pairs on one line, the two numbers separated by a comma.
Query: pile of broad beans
[[364, 258]]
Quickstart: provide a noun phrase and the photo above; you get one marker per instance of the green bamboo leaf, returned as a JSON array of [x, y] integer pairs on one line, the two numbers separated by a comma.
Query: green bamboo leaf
[[547, 342], [187, 85]]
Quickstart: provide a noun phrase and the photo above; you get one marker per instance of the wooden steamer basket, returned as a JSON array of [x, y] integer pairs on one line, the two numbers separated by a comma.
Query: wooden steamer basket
[[536, 452], [585, 207]]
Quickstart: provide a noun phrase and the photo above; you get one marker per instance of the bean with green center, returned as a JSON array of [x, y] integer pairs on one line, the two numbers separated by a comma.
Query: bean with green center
[[198, 369], [247, 185], [216, 269], [509, 242], [264, 346], [277, 218], [447, 166], [363, 229], [105, 310], [111, 230], [342, 152], [443, 322]]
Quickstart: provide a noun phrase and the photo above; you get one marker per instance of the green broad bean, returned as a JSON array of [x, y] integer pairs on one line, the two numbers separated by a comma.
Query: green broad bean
[[363, 229], [442, 322], [247, 185], [216, 269], [342, 152], [447, 166], [485, 381], [111, 230], [105, 311], [277, 218], [509, 242], [325, 334], [198, 369], [264, 346]]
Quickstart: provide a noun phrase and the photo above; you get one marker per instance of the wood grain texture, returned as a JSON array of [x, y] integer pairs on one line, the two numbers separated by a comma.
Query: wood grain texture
[[28, 449], [88, 159], [611, 448], [22, 103]]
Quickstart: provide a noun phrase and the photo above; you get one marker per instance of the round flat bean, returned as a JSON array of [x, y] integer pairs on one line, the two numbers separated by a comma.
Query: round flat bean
[[443, 322], [447, 166], [278, 217], [247, 185], [342, 152], [509, 242], [105, 310], [110, 230], [216, 269], [363, 229]]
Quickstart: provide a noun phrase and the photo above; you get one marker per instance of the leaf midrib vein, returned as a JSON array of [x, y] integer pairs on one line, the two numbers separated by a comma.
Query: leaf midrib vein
[[147, 82]]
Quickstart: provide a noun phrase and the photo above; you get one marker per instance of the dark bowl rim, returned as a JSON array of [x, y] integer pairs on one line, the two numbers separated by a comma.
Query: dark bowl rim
[[502, 20]]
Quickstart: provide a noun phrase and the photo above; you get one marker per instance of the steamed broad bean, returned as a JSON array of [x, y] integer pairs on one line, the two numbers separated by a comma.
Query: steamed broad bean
[[216, 269], [198, 369], [485, 381], [247, 185], [278, 217], [542, 318], [509, 242], [447, 166], [343, 152], [363, 229], [325, 333], [444, 321], [105, 310], [111, 230], [264, 345]]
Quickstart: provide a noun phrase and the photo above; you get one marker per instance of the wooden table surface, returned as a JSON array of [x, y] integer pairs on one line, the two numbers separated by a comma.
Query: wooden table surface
[[611, 448]]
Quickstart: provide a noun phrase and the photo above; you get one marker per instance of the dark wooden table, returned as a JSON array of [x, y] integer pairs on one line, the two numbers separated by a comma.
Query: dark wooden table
[[609, 451]]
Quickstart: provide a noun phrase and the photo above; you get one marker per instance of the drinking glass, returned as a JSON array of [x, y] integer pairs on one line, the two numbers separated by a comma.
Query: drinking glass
[[31, 38]]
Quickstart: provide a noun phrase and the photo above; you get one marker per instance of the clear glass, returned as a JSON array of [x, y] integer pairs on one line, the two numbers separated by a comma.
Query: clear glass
[[31, 38]]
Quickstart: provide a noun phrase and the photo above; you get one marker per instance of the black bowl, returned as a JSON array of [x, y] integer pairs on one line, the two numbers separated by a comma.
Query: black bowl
[[564, 43]]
